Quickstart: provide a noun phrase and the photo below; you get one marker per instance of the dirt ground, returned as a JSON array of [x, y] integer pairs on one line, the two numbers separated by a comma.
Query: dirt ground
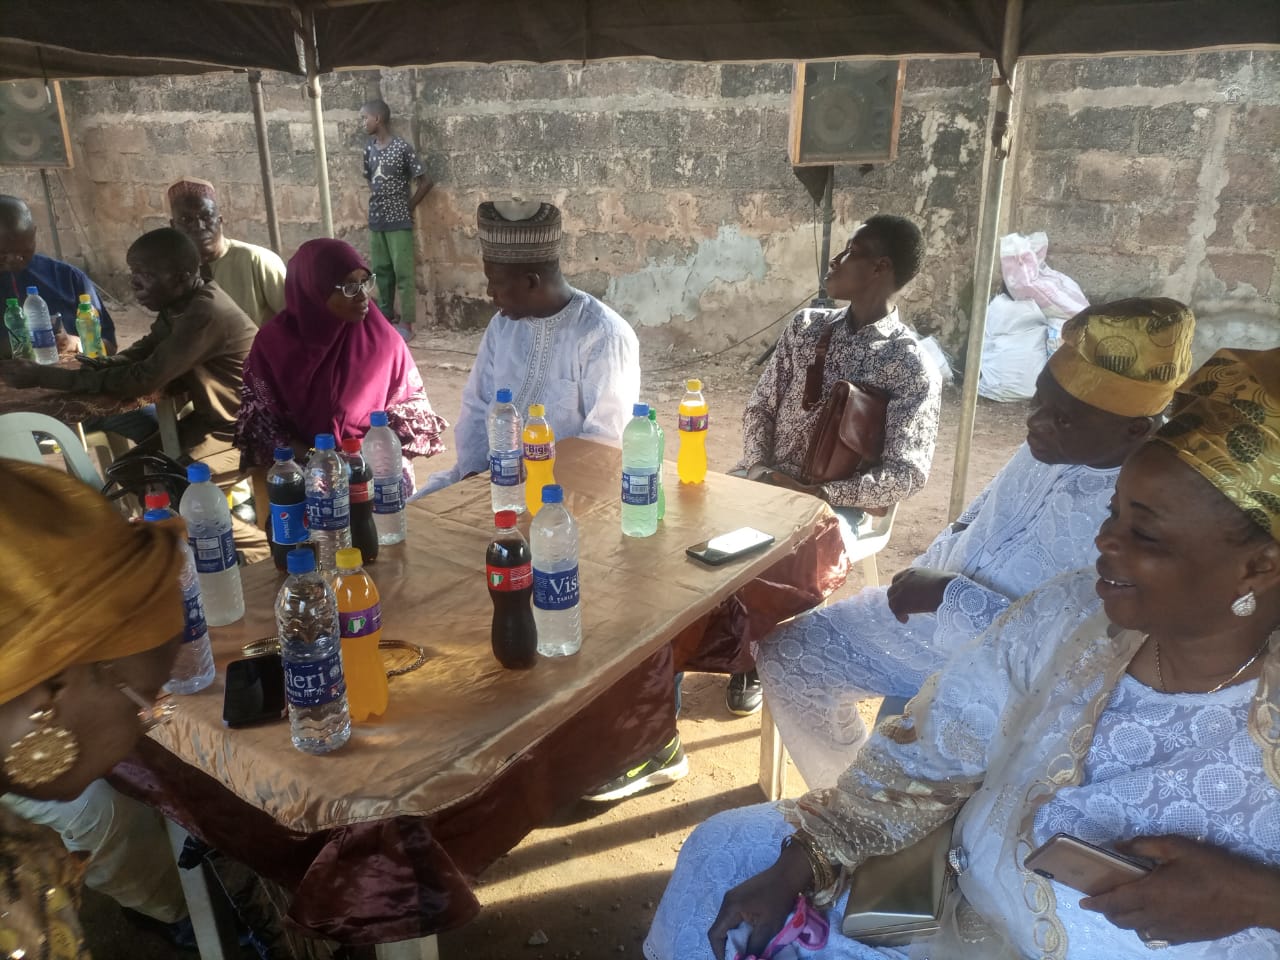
[[586, 885]]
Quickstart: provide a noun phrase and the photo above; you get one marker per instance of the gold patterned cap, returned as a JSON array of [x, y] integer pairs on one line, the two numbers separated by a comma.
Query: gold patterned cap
[[1227, 429], [517, 231], [1126, 357]]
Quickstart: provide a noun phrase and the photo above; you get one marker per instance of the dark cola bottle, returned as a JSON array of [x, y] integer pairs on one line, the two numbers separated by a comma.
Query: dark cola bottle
[[509, 572], [364, 531], [287, 496]]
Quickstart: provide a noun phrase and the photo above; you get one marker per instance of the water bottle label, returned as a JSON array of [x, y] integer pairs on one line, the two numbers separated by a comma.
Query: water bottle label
[[314, 683], [288, 523], [388, 495], [504, 468], [639, 489], [540, 451], [693, 424], [509, 579], [329, 513], [214, 554], [43, 338], [360, 623], [359, 493], [193, 615], [555, 591]]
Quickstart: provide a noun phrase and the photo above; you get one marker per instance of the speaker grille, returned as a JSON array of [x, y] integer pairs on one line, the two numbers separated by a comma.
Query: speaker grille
[[846, 112], [33, 125]]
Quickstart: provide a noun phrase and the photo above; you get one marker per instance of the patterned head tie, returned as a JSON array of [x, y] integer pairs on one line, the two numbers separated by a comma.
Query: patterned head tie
[[192, 187], [1227, 429], [518, 231], [1126, 357]]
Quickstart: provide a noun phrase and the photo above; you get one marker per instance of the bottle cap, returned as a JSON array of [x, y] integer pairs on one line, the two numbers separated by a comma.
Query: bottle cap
[[653, 415], [33, 291], [153, 516], [302, 560], [553, 493], [503, 395], [537, 410], [11, 302], [85, 298], [348, 558], [198, 473], [378, 418], [350, 444], [640, 410], [505, 519], [324, 441], [156, 501], [694, 385]]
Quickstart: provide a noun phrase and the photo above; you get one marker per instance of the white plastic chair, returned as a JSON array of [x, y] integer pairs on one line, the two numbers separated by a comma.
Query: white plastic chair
[[870, 541], [18, 442]]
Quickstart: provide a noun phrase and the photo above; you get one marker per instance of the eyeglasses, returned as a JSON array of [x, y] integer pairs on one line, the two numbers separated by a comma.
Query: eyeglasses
[[151, 714], [354, 288], [199, 219]]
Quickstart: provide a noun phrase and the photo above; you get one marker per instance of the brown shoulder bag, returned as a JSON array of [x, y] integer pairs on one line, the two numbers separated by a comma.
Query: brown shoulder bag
[[849, 435]]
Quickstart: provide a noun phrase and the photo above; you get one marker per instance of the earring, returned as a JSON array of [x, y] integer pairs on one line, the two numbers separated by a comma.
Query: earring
[[1245, 606], [43, 755]]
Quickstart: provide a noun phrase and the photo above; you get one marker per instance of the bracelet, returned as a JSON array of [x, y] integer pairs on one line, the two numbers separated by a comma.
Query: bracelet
[[419, 656], [824, 874]]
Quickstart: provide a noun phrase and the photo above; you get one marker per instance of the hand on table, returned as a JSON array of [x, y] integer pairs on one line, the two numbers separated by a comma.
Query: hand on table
[[917, 591], [20, 373], [763, 902], [1196, 892], [68, 344]]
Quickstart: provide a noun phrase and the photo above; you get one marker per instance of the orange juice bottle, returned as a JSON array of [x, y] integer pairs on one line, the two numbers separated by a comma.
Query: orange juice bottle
[[691, 462], [360, 622], [539, 457]]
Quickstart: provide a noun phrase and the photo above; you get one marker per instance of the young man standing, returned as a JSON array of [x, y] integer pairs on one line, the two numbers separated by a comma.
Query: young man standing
[[391, 166]]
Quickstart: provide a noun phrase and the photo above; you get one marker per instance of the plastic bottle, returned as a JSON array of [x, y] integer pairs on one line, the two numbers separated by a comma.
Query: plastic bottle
[[360, 623], [509, 571], [40, 327], [89, 329], [382, 453], [287, 493], [539, 457], [328, 504], [553, 542], [15, 321], [640, 475], [506, 471], [193, 668], [311, 649], [691, 461], [208, 517], [364, 532], [662, 456]]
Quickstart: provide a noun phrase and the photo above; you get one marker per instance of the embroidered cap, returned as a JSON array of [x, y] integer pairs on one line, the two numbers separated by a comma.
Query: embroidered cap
[[192, 187], [518, 231]]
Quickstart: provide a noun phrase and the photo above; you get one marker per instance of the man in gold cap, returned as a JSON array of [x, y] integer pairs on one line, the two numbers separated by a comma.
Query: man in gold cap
[[1102, 393]]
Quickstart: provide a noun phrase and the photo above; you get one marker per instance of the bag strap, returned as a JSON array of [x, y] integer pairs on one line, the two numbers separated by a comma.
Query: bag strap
[[813, 375]]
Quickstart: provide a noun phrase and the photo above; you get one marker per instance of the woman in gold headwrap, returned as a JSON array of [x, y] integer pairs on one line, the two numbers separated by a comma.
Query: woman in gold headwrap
[[82, 662], [1135, 707]]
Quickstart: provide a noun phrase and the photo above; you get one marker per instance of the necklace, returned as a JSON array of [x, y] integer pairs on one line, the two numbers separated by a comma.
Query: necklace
[[1231, 679]]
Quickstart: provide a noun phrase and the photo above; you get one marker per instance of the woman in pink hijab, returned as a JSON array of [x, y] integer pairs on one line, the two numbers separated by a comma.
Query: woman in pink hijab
[[327, 361]]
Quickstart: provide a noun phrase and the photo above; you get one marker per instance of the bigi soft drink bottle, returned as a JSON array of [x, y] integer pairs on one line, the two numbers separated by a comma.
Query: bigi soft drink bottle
[[360, 621], [328, 503], [15, 321], [662, 456], [640, 474], [208, 517], [287, 492], [506, 472], [364, 532], [553, 541], [509, 571], [382, 453], [539, 457], [40, 327], [193, 668], [691, 462], [89, 329], [311, 649]]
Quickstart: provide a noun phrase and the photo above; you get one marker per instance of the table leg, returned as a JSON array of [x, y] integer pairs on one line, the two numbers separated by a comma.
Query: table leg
[[425, 948], [211, 914], [773, 757], [167, 415]]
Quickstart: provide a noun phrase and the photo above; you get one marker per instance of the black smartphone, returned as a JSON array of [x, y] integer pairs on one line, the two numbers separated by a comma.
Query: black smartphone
[[255, 691], [1083, 866], [730, 546]]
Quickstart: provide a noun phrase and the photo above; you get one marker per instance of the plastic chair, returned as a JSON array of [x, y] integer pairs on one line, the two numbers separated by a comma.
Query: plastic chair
[[18, 442], [869, 542]]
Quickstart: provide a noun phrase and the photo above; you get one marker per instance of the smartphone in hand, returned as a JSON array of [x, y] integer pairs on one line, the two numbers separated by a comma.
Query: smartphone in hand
[[1082, 866]]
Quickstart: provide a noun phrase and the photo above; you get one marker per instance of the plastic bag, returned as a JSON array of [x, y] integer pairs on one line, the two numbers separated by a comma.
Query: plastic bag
[[1026, 276], [1014, 349]]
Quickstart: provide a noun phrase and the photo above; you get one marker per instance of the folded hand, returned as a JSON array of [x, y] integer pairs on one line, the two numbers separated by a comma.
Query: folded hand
[[763, 902], [917, 590]]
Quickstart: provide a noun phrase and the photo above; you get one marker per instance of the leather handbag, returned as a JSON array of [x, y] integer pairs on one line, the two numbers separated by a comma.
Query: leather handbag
[[849, 434]]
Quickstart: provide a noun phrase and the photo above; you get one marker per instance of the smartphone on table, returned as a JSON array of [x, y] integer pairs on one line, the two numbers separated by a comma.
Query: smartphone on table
[[1082, 866], [729, 546], [254, 691]]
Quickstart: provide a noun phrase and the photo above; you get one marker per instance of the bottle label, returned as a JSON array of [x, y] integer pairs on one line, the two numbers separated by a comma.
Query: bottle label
[[639, 489], [329, 513], [509, 579], [504, 468], [314, 683], [214, 554], [288, 523], [43, 338], [193, 615], [388, 495], [693, 424], [360, 623], [540, 451], [359, 493], [555, 591]]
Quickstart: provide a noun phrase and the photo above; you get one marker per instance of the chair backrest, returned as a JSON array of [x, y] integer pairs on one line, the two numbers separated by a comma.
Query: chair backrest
[[18, 442]]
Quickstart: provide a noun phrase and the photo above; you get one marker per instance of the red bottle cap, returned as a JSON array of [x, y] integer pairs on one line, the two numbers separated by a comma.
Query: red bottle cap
[[505, 518], [351, 445], [156, 501]]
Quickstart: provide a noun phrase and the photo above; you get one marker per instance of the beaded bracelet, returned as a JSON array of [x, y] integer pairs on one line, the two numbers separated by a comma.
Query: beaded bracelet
[[824, 874]]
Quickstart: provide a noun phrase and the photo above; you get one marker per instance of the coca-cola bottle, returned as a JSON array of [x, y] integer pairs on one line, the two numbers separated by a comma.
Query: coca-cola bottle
[[509, 571], [364, 531]]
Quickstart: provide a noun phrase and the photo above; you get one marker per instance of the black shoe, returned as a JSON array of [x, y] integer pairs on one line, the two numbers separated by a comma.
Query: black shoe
[[744, 695], [666, 766]]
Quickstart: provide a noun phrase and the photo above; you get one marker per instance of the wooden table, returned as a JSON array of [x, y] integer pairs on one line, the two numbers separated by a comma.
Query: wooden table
[[470, 756]]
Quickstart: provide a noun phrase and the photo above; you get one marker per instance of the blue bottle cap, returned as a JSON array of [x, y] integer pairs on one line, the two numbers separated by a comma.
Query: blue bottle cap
[[33, 291], [378, 418], [154, 515], [640, 410], [504, 395], [300, 561], [553, 493], [284, 453], [324, 441], [198, 473]]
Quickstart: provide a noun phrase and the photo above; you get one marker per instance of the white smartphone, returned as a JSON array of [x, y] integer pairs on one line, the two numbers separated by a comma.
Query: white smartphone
[[729, 546], [1083, 866]]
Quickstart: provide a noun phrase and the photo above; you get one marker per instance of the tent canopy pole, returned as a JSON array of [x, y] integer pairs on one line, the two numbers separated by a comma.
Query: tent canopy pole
[[317, 119], [264, 159]]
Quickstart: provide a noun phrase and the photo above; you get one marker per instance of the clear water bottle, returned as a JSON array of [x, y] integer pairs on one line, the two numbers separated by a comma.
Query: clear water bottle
[[193, 668], [311, 648], [385, 458], [506, 454], [40, 327], [662, 456], [328, 504], [553, 538], [640, 464], [208, 517]]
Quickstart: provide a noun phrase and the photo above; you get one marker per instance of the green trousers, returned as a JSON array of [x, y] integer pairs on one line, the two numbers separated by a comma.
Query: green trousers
[[391, 255]]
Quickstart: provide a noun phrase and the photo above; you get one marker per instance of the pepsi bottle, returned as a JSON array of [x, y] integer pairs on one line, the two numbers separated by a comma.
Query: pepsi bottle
[[287, 493]]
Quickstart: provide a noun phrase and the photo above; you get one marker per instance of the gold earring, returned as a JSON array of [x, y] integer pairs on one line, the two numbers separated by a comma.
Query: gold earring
[[43, 755]]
